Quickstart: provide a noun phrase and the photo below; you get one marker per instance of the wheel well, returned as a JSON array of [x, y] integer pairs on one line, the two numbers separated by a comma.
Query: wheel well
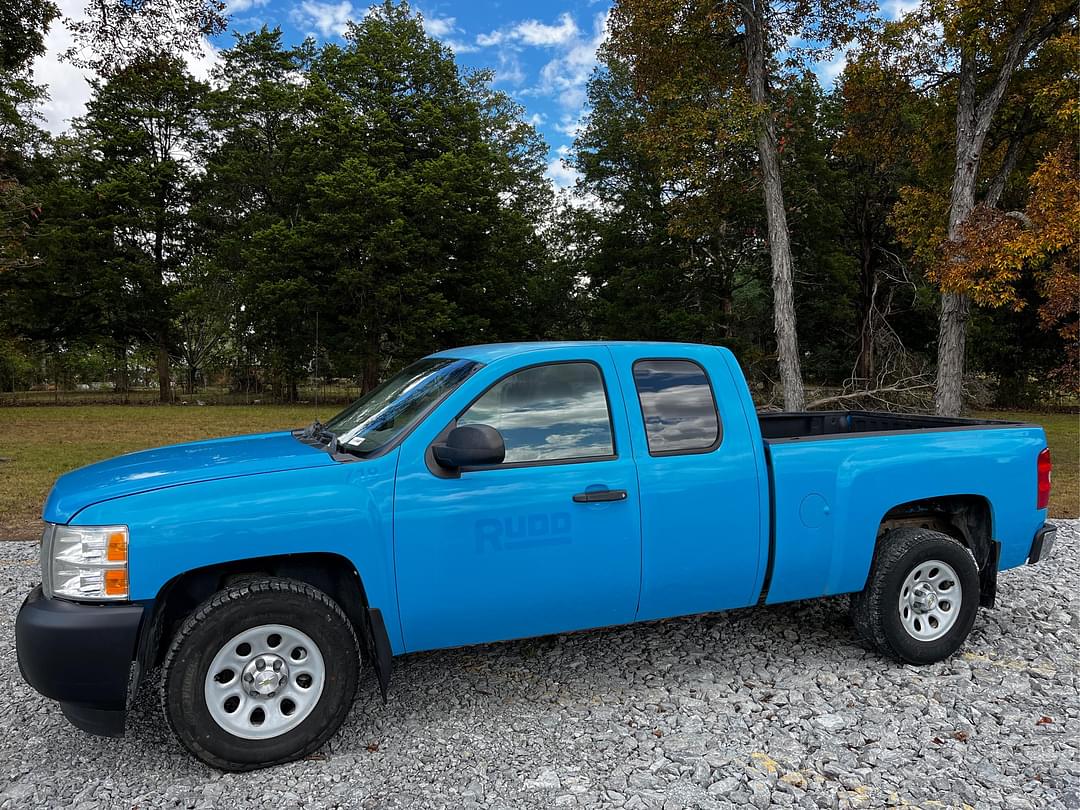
[[968, 518], [334, 575]]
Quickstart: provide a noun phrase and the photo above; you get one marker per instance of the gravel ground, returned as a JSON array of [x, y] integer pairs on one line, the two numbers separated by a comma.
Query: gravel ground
[[767, 707]]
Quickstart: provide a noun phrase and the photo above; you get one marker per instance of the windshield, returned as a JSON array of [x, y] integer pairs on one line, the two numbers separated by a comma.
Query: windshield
[[385, 412]]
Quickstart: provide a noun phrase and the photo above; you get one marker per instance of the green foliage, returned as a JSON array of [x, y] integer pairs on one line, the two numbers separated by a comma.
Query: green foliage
[[390, 193], [376, 192], [648, 274]]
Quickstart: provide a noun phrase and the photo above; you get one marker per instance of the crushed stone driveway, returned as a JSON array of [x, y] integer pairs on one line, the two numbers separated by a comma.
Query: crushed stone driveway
[[769, 707]]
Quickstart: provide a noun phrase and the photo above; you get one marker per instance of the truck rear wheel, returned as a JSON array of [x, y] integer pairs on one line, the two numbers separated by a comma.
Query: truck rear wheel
[[263, 672], [920, 600]]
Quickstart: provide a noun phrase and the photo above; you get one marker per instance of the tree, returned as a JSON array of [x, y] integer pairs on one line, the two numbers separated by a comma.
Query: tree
[[873, 155], [708, 69], [255, 180], [660, 262], [76, 293], [971, 52], [203, 305], [997, 248], [115, 34], [23, 25], [418, 172], [378, 185], [141, 132]]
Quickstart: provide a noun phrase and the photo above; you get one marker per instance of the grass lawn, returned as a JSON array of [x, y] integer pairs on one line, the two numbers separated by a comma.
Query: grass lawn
[[39, 443]]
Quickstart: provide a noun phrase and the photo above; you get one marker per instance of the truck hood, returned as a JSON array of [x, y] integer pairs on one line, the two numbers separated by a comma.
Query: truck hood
[[178, 464]]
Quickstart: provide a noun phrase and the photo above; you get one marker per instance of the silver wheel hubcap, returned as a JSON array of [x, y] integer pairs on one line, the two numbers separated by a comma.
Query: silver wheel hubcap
[[930, 600], [264, 682]]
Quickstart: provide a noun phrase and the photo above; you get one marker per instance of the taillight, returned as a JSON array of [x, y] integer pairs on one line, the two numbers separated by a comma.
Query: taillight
[[1045, 467]]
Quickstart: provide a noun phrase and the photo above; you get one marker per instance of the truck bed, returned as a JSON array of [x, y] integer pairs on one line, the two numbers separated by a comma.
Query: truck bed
[[777, 427]]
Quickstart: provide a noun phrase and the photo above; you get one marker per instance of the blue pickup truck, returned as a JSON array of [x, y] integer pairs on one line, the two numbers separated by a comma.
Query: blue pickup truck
[[497, 492]]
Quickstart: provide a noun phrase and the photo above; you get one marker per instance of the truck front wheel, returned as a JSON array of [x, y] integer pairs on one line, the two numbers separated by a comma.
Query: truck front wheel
[[920, 600], [263, 672]]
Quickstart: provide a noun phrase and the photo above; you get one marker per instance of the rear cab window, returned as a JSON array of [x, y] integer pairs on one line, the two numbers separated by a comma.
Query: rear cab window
[[678, 407]]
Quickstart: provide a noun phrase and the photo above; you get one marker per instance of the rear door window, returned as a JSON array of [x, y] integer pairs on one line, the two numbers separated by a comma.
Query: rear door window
[[678, 407]]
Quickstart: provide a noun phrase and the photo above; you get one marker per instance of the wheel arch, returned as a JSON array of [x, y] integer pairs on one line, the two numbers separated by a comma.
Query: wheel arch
[[333, 574], [967, 518]]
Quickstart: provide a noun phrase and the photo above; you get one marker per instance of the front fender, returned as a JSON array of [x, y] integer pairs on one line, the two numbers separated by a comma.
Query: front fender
[[344, 509]]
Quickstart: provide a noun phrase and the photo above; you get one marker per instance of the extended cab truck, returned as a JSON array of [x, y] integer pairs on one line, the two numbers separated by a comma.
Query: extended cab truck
[[497, 492]]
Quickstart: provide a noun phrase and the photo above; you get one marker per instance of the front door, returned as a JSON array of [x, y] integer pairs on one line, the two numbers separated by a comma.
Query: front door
[[508, 551]]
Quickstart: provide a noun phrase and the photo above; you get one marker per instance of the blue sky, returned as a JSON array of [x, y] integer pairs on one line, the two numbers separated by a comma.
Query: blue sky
[[541, 51]]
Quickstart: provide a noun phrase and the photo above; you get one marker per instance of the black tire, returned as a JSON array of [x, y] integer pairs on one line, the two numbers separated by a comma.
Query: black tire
[[875, 610], [242, 606]]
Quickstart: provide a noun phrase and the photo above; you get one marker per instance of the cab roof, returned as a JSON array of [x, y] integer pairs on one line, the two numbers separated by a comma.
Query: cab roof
[[490, 352]]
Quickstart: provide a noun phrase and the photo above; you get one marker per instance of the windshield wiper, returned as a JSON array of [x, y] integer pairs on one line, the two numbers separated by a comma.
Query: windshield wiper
[[320, 433]]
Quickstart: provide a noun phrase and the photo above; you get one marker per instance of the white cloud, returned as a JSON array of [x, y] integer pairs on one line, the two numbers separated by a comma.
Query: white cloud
[[444, 29], [537, 119], [240, 6], [534, 33], [559, 173], [570, 125], [68, 87], [509, 70], [440, 27], [566, 75], [829, 72], [458, 46], [329, 19], [202, 64], [895, 9]]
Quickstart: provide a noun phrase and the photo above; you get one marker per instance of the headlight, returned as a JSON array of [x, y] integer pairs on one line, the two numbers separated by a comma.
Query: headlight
[[85, 562]]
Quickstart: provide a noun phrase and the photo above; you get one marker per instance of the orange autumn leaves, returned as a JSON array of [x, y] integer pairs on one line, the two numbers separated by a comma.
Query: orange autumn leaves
[[998, 247]]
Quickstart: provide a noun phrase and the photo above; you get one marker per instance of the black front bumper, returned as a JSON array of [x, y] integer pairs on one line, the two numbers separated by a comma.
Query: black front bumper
[[80, 655]]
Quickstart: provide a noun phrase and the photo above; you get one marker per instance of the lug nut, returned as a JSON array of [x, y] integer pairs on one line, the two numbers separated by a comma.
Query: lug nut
[[283, 680], [271, 694], [249, 677], [260, 665]]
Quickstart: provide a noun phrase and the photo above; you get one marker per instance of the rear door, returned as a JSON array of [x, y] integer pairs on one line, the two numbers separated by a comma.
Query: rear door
[[703, 527], [547, 541]]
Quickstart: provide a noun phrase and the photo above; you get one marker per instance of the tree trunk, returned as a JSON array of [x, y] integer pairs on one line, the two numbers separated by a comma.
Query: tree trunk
[[787, 341], [864, 362], [952, 341], [370, 372], [952, 321], [164, 379], [122, 384], [370, 378], [973, 120]]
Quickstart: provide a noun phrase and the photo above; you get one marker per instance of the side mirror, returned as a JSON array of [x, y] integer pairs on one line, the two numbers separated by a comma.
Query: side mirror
[[470, 446]]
